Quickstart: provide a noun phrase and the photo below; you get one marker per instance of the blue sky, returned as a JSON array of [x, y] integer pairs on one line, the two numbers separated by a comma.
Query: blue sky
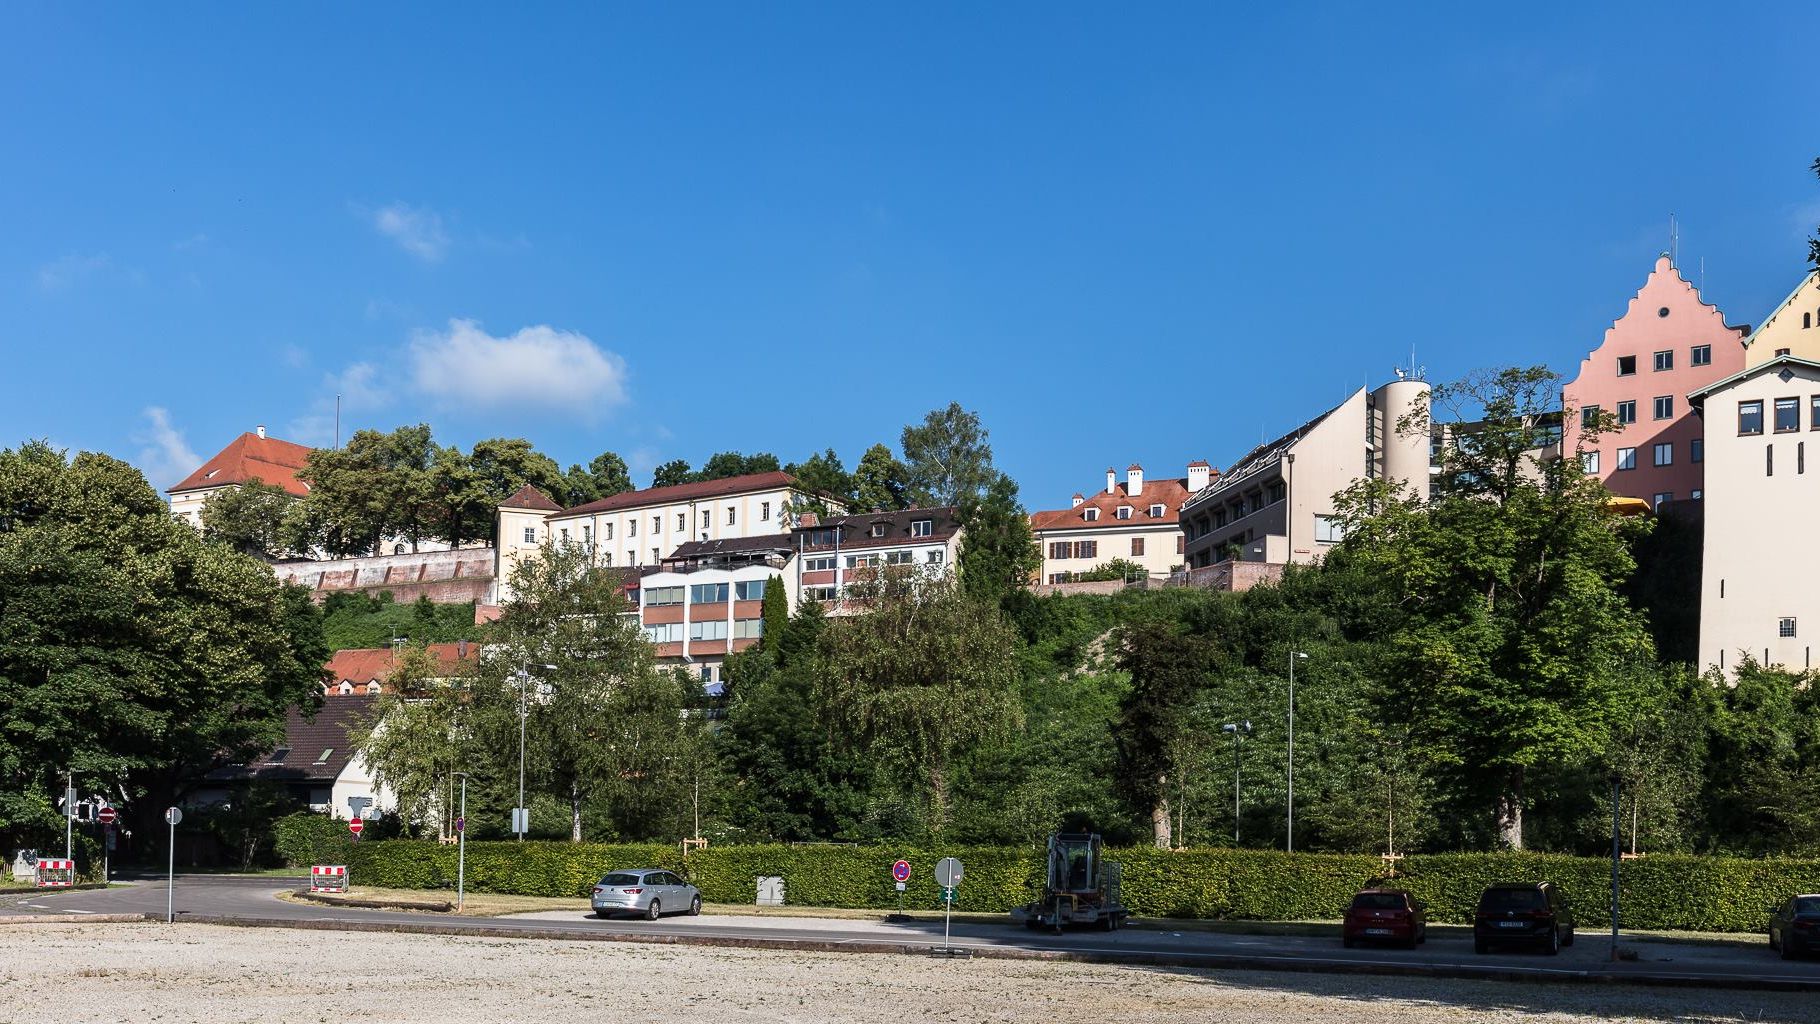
[[1121, 233]]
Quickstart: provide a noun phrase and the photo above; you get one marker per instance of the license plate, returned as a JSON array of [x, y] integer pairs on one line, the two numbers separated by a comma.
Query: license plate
[[1513, 924], [1377, 931]]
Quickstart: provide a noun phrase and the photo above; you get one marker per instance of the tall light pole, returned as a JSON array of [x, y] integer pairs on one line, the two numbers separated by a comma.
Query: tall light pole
[[520, 820], [1235, 728], [1616, 791], [1289, 838], [461, 845]]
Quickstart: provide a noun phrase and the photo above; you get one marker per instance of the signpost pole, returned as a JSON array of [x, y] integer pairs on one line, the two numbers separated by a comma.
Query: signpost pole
[[171, 817], [461, 846], [69, 817], [1616, 791]]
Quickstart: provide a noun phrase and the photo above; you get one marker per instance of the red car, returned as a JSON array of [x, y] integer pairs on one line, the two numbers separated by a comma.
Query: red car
[[1385, 915]]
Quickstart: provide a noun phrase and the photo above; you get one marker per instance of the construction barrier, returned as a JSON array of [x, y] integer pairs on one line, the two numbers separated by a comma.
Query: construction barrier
[[54, 874], [329, 878]]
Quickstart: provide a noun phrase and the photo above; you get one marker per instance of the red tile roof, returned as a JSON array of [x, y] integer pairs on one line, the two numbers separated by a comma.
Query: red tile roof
[[686, 492], [1167, 492], [251, 457], [531, 498], [362, 665]]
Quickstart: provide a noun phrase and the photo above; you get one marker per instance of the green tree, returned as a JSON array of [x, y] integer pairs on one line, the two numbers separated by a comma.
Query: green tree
[[947, 459], [605, 476], [919, 679], [1510, 656], [722, 465], [998, 552], [1813, 243], [378, 486], [671, 473], [130, 649], [251, 518], [824, 476], [1167, 670], [879, 481], [416, 739], [1117, 569], [775, 610]]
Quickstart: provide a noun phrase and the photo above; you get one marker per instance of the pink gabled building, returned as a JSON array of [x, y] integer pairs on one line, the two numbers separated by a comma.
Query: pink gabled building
[[1667, 344]]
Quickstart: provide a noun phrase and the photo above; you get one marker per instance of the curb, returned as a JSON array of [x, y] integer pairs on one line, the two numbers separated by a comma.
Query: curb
[[30, 919], [1203, 961], [442, 907]]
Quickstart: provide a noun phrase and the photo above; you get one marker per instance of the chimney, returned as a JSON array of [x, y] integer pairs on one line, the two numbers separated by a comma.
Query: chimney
[[1077, 499], [1111, 480], [1134, 480], [808, 519], [260, 430], [1199, 474]]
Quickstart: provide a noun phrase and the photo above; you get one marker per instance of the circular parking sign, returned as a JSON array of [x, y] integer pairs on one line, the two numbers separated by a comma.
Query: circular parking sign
[[173, 816], [901, 871], [947, 872]]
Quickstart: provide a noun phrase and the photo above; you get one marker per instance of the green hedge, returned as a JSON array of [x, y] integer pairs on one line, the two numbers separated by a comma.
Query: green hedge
[[1673, 892]]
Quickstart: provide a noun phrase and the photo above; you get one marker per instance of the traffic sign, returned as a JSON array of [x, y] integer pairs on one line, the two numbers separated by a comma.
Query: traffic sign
[[107, 815], [900, 872], [173, 816], [948, 894], [461, 825], [355, 825], [948, 872]]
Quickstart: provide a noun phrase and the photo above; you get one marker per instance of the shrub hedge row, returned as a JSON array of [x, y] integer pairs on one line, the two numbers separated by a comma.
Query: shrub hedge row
[[1671, 892]]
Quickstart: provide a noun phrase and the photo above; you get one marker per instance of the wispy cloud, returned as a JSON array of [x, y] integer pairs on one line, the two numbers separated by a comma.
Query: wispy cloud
[[166, 457], [535, 367], [417, 230], [59, 274]]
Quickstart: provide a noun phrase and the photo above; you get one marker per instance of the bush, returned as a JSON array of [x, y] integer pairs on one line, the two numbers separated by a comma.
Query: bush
[[307, 838], [1669, 892]]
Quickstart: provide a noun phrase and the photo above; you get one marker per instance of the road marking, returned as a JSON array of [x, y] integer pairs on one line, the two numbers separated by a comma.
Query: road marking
[[74, 910]]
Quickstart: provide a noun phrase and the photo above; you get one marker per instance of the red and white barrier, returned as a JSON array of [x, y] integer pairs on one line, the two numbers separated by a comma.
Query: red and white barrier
[[54, 874], [328, 878]]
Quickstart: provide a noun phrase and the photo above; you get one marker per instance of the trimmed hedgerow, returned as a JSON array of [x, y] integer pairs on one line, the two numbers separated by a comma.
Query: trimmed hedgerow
[[1675, 892]]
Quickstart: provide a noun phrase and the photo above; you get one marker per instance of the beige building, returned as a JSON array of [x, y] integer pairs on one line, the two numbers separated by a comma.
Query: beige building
[[1275, 505], [247, 458], [1136, 520], [1793, 329], [639, 528], [1756, 585]]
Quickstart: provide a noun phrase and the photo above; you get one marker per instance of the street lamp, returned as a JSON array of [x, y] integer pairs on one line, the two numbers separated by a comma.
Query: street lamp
[[521, 816], [1289, 838], [1617, 789], [461, 845], [1235, 728]]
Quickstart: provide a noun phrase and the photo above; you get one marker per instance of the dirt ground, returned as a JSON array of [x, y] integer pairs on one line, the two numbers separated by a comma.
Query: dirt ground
[[215, 974]]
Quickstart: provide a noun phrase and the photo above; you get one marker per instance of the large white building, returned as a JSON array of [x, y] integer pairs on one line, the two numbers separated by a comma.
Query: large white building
[[1134, 519], [1757, 597], [248, 458]]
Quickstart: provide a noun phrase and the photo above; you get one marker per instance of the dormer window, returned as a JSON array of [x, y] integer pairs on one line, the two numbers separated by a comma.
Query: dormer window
[[922, 528], [1124, 512], [373, 688], [346, 688], [1156, 511], [1092, 515], [878, 529]]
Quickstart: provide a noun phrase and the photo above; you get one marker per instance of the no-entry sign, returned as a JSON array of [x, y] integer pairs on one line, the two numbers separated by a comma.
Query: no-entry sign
[[355, 825], [107, 815]]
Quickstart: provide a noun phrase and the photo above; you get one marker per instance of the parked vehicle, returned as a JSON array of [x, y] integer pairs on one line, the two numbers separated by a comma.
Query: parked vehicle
[[647, 891], [1794, 929], [1522, 913], [1384, 915], [1080, 887]]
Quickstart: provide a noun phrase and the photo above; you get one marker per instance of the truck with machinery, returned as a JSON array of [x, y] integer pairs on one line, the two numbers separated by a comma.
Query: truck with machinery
[[1080, 887]]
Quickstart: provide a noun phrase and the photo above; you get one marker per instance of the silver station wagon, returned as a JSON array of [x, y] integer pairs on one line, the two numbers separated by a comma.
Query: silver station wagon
[[647, 891]]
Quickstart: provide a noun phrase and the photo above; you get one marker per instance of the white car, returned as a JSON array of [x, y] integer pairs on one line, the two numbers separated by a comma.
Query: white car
[[648, 891]]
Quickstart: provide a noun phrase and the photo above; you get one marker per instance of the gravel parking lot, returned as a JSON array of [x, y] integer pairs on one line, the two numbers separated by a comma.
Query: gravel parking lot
[[204, 973]]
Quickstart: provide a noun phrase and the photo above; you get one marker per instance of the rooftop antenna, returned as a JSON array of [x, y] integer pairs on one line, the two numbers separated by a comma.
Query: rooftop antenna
[[337, 421], [1674, 242]]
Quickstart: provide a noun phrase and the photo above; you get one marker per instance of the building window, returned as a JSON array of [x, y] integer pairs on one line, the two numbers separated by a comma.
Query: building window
[[1092, 515], [631, 557], [1627, 458], [666, 633], [707, 593], [937, 557], [632, 527], [371, 688], [1665, 361], [708, 629], [1660, 497], [922, 527], [655, 556], [1329, 530], [1665, 407], [1219, 518], [1589, 416], [1769, 460], [1627, 413], [1280, 490], [1086, 549], [705, 518], [764, 511], [1750, 417], [1137, 545], [749, 590], [657, 525], [1696, 450], [1181, 543], [1665, 453], [1589, 462], [1813, 413], [656, 596], [748, 629], [819, 593], [1800, 457], [899, 557], [731, 517], [818, 564], [609, 531], [530, 535], [565, 535], [1702, 355], [1124, 512], [607, 558], [587, 535], [1156, 511], [1058, 577], [820, 538], [682, 521], [1696, 494], [878, 529], [861, 561], [1627, 365], [1786, 627], [1788, 415]]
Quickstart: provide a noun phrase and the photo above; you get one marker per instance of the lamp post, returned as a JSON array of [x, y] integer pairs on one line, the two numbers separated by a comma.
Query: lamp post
[[1289, 837], [521, 815], [461, 845], [1235, 728], [1616, 790]]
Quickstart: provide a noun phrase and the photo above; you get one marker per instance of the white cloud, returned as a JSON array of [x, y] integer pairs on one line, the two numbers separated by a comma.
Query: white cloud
[[417, 231], [359, 391], [539, 367], [166, 457], [60, 274]]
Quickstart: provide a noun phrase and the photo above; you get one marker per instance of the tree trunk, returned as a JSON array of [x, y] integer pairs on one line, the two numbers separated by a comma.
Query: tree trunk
[[1510, 811], [575, 811], [1159, 815], [938, 799]]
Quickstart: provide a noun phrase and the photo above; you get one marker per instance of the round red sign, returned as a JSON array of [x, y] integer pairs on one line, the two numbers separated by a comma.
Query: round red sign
[[356, 825], [901, 871], [107, 815]]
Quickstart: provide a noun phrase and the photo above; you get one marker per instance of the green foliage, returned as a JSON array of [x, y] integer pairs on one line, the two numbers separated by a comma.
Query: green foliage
[[947, 459], [306, 838], [1117, 569], [253, 519], [354, 620], [775, 610], [823, 475], [998, 553], [880, 481]]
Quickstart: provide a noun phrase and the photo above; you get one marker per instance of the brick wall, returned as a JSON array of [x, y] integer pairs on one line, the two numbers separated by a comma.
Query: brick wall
[[445, 577]]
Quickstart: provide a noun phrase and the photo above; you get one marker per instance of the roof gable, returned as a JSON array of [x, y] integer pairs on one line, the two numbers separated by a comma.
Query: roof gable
[[1168, 492], [528, 497], [250, 457], [721, 488]]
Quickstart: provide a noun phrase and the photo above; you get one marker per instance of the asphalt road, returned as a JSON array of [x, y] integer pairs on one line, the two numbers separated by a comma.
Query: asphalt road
[[255, 898]]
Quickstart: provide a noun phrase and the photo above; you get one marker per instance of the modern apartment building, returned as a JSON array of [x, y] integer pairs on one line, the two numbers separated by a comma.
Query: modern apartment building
[[247, 458], [1668, 343], [1793, 329], [1759, 558], [638, 528], [1135, 519], [1275, 504]]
